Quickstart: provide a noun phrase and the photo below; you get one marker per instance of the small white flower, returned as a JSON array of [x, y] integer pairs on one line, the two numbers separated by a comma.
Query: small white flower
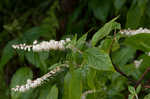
[[43, 46], [137, 63], [62, 41], [29, 81], [22, 47], [68, 39], [52, 72], [33, 85], [35, 42], [29, 49], [13, 46], [22, 89], [27, 87]]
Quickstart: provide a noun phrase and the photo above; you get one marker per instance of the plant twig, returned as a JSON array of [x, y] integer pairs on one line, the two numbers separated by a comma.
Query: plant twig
[[142, 77], [115, 67]]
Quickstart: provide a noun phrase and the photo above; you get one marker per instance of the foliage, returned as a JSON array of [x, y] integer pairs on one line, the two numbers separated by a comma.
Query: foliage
[[98, 49]]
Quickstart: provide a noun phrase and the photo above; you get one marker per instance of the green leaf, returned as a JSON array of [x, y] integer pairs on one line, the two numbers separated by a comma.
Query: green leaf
[[119, 3], [47, 91], [145, 63], [73, 85], [53, 93], [147, 96], [3, 87], [135, 13], [44, 91], [34, 33], [105, 30], [117, 83], [131, 96], [138, 89], [7, 54], [90, 78], [98, 59], [74, 40], [106, 45], [131, 89], [131, 70], [37, 59], [33, 58], [81, 41], [123, 55], [100, 8], [43, 55], [20, 78], [139, 41]]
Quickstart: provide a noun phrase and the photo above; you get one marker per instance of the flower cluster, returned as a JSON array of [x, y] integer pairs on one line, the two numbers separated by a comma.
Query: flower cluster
[[137, 63], [37, 82], [134, 32], [43, 46]]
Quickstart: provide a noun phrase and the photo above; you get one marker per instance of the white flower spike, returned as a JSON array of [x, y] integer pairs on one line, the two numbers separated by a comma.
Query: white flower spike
[[130, 32], [43, 46], [35, 83]]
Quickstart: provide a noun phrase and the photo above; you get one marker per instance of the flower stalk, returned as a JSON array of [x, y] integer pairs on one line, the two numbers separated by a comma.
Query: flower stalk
[[39, 81]]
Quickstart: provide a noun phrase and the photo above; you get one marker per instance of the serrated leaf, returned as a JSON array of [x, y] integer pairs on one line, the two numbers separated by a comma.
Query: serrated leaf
[[131, 70], [7, 54], [123, 55], [73, 85], [105, 30], [98, 59], [139, 41], [20, 78], [106, 45]]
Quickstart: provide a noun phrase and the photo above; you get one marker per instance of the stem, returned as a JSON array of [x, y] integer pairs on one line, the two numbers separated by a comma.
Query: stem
[[142, 77], [76, 49], [115, 67], [136, 96], [121, 73]]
